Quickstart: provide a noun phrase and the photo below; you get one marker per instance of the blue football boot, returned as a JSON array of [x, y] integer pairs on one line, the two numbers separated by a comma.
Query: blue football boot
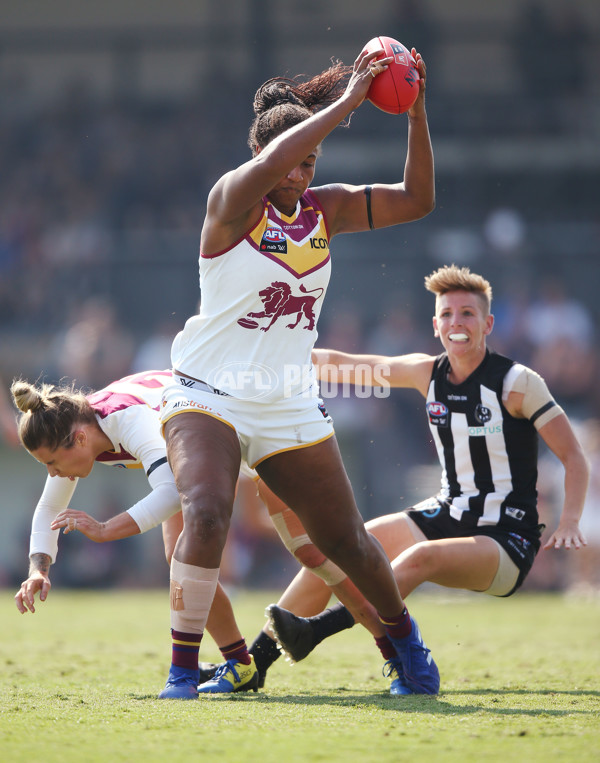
[[232, 676], [421, 674], [393, 670], [182, 683]]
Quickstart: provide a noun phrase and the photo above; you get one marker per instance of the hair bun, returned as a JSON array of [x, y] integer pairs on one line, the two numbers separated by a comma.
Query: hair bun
[[26, 397], [274, 92]]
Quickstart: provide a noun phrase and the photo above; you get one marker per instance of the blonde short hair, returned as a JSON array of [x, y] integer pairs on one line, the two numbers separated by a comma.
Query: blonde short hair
[[452, 278]]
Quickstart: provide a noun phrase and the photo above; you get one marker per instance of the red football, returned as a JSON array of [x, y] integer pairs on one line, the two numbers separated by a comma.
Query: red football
[[396, 89]]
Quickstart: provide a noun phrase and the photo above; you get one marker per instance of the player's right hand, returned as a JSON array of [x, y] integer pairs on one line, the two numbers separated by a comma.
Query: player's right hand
[[25, 598]]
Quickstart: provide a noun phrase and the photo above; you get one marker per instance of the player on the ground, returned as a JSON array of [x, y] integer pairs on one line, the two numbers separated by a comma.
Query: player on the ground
[[69, 432], [481, 532]]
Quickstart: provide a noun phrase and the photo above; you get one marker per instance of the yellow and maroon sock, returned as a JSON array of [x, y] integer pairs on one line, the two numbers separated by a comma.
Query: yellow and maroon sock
[[237, 651], [185, 649], [398, 626]]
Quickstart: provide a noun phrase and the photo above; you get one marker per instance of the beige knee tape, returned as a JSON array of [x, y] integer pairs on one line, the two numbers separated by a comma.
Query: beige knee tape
[[290, 530], [192, 592], [329, 572]]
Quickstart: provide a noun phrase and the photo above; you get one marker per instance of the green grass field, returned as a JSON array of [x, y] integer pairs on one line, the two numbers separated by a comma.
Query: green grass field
[[520, 681]]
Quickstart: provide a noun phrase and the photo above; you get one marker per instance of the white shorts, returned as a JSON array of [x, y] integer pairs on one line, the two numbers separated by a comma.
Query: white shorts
[[263, 429]]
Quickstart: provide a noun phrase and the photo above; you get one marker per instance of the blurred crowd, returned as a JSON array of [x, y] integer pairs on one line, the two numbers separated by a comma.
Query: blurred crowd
[[82, 177]]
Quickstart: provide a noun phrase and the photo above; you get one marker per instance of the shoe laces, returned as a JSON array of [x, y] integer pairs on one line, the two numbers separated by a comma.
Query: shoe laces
[[392, 669], [227, 667], [181, 678]]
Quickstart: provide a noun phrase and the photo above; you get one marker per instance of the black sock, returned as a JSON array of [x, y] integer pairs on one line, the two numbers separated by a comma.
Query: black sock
[[330, 621], [265, 652]]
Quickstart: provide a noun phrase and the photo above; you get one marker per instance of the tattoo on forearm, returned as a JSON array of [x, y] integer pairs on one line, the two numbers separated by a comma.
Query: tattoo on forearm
[[39, 563]]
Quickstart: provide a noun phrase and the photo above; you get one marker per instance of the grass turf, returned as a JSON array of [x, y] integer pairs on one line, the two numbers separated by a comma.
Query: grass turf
[[520, 679]]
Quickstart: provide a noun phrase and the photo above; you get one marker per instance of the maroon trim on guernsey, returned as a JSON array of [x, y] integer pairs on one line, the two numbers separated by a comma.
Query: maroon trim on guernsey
[[307, 196], [312, 197], [112, 455], [241, 238], [145, 379], [106, 402]]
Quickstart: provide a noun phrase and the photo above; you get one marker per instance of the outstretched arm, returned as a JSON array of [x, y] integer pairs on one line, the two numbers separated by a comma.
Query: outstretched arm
[[562, 441], [158, 506], [412, 371], [115, 528], [55, 497]]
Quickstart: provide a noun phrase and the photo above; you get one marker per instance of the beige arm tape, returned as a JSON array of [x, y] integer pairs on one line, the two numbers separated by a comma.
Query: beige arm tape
[[538, 404], [294, 537]]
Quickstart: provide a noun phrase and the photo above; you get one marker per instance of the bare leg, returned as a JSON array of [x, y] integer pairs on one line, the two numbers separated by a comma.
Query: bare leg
[[306, 595], [221, 622], [171, 530], [313, 483], [396, 532], [204, 455], [467, 563]]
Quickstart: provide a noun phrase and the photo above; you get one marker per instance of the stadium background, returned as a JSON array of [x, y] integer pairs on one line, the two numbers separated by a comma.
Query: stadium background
[[115, 120]]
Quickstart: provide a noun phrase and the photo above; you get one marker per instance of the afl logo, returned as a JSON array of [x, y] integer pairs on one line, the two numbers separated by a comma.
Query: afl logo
[[438, 414], [399, 53], [482, 414], [274, 235], [274, 240]]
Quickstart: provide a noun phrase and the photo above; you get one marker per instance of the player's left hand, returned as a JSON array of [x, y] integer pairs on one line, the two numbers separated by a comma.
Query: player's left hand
[[418, 107], [567, 535], [364, 70], [71, 520], [37, 582]]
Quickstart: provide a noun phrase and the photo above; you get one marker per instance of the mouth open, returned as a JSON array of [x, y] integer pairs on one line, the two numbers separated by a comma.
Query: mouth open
[[458, 337]]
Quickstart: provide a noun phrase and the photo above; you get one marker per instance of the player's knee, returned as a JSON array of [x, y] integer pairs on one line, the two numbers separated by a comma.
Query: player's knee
[[422, 557], [206, 517], [347, 547]]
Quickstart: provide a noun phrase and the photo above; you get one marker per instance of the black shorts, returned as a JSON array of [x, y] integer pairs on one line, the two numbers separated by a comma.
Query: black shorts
[[434, 520]]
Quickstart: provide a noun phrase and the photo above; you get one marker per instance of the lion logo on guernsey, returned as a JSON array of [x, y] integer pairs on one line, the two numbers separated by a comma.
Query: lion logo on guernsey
[[278, 301]]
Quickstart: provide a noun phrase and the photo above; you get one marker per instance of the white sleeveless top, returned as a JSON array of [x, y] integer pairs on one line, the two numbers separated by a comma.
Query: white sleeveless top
[[260, 302]]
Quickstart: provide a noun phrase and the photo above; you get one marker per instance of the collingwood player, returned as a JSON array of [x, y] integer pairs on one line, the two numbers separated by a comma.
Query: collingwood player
[[481, 532]]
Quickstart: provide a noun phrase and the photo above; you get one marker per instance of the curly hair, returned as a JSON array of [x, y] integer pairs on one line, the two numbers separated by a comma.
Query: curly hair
[[281, 103], [48, 413], [453, 278]]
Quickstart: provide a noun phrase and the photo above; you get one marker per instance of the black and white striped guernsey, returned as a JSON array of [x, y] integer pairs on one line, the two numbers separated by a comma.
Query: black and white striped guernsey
[[488, 457]]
